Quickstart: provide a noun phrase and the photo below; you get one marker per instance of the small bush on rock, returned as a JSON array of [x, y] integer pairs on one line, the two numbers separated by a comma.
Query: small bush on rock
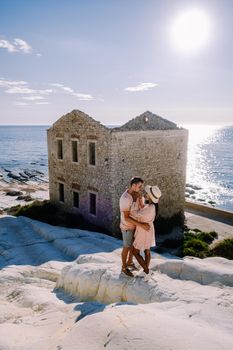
[[207, 237], [223, 249], [199, 248]]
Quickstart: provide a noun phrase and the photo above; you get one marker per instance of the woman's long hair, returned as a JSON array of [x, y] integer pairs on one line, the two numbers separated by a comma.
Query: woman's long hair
[[156, 210]]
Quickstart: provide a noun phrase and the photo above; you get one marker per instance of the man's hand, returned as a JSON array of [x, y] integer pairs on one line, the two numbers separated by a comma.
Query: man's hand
[[135, 196], [144, 226]]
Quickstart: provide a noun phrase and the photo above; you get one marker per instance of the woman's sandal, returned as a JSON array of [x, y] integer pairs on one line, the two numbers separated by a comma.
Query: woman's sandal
[[127, 272], [133, 267]]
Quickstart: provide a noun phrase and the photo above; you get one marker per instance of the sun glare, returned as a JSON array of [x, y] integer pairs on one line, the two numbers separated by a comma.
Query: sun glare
[[190, 30]]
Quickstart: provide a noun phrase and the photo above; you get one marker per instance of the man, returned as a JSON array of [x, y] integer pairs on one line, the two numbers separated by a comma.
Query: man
[[128, 224]]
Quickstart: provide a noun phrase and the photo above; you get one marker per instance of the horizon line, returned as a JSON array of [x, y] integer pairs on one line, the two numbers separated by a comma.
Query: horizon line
[[115, 124]]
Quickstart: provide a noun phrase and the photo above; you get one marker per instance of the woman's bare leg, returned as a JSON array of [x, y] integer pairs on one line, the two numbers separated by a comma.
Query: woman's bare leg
[[140, 260], [147, 257]]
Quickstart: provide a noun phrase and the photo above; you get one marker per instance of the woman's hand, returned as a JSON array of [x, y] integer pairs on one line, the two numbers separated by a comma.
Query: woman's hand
[[141, 202], [144, 226]]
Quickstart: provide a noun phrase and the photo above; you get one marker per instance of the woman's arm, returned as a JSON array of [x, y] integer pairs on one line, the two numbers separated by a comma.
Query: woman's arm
[[146, 214]]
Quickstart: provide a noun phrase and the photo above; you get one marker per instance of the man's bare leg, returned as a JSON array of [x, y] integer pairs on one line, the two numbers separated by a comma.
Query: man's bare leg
[[124, 256], [130, 257], [140, 260]]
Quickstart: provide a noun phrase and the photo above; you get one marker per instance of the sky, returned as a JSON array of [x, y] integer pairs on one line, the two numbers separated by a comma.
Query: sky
[[116, 59]]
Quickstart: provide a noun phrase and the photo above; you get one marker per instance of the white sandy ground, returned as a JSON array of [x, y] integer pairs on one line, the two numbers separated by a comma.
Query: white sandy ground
[[188, 304]]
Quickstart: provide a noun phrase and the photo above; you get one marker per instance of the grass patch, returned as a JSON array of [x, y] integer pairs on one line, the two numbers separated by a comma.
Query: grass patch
[[194, 243], [207, 237], [195, 247], [196, 230], [224, 249], [38, 210]]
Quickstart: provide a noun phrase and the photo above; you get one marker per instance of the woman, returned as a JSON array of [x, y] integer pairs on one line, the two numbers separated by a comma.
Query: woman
[[144, 240]]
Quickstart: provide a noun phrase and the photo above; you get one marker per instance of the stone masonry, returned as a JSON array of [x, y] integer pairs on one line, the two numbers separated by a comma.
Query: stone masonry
[[147, 146]]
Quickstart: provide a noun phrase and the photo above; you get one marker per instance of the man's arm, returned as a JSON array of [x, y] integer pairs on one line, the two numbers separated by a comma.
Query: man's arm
[[130, 220]]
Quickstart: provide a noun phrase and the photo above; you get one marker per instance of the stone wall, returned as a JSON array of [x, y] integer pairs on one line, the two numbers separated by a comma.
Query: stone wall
[[81, 176], [159, 157]]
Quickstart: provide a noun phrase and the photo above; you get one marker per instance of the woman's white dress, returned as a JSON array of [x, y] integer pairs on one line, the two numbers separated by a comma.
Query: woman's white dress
[[144, 239]]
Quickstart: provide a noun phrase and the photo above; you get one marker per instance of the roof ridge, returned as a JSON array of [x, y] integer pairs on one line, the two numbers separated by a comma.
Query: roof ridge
[[147, 121]]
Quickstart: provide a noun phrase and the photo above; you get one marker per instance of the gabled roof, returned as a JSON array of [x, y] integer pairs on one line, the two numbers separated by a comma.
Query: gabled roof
[[76, 116], [147, 121]]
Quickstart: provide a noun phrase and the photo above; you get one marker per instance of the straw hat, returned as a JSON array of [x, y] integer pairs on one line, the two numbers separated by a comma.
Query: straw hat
[[153, 192]]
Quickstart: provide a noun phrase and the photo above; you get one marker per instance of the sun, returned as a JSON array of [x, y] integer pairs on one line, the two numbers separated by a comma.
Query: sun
[[190, 30]]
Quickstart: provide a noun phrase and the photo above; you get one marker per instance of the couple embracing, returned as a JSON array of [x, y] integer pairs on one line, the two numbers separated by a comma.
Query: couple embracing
[[137, 216]]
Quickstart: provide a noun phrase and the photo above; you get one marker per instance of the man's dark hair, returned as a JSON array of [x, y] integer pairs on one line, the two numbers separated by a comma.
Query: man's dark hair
[[136, 180]]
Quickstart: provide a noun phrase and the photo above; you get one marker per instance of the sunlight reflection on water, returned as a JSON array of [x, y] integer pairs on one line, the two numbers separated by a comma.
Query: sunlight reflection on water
[[210, 164]]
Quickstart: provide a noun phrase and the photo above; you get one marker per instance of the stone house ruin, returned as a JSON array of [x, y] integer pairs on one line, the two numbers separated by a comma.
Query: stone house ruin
[[90, 165]]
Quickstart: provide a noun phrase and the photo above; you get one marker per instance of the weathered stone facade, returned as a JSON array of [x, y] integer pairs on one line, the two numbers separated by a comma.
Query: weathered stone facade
[[148, 146]]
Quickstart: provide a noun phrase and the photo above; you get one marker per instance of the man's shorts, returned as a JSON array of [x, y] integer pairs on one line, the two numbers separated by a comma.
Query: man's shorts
[[128, 237]]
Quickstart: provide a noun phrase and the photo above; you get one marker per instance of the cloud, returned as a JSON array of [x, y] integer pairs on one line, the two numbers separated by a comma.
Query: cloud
[[22, 45], [80, 96], [5, 44], [22, 103], [20, 90], [33, 98], [83, 97], [36, 95], [28, 94], [7, 83], [26, 90], [42, 103], [141, 87], [67, 89], [17, 45], [21, 87]]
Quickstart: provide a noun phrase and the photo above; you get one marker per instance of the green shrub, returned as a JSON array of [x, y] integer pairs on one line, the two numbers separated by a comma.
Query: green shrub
[[51, 214], [188, 235], [40, 210], [192, 252], [12, 210], [207, 237], [214, 234], [223, 249], [196, 244], [189, 251], [196, 230]]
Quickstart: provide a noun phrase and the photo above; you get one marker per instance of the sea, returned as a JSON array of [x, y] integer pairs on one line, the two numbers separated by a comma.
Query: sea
[[23, 147], [209, 166]]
